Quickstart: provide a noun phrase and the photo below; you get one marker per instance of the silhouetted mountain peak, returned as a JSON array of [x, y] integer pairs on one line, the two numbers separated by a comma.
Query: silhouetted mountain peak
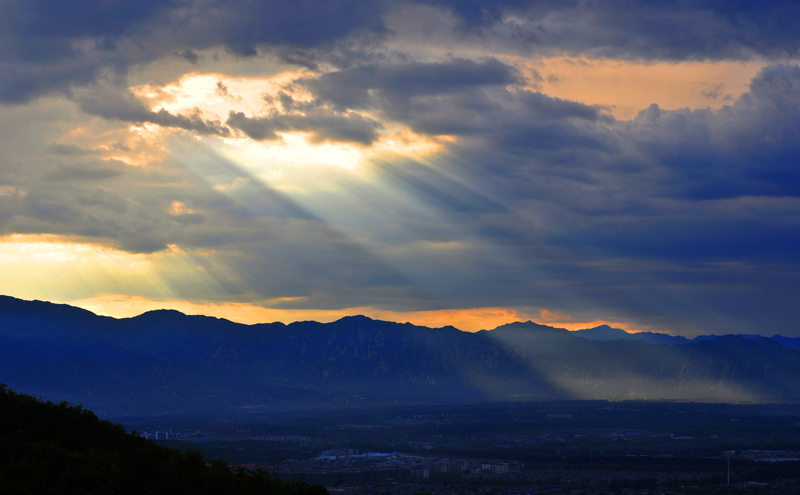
[[12, 305], [357, 320], [161, 313], [529, 326], [604, 333]]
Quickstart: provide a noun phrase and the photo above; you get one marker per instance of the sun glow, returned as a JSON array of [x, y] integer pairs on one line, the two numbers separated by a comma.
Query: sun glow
[[59, 268], [134, 145], [64, 269], [289, 161], [217, 94], [43, 249], [294, 149]]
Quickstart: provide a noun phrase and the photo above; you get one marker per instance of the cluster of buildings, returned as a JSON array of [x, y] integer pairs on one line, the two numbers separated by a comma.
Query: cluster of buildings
[[769, 455], [606, 476], [301, 439], [348, 467], [220, 433], [190, 434]]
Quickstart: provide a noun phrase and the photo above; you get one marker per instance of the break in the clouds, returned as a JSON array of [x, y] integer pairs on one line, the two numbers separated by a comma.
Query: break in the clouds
[[406, 158]]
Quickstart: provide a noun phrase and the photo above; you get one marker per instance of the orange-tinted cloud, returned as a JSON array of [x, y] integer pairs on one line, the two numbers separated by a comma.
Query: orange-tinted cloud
[[625, 87]]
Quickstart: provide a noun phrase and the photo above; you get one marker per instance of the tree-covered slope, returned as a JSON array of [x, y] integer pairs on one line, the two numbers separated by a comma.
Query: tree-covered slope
[[65, 449]]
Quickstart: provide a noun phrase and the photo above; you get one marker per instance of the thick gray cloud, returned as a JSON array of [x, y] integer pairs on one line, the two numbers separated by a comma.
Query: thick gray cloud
[[51, 46], [352, 87], [675, 218], [749, 148], [684, 213], [111, 102], [70, 173], [464, 98], [542, 201], [323, 126], [672, 30]]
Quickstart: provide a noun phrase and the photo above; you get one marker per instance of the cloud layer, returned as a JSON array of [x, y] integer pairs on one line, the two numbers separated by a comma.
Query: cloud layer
[[339, 155]]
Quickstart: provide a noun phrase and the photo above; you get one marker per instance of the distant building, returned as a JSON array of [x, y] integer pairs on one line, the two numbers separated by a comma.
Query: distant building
[[420, 472]]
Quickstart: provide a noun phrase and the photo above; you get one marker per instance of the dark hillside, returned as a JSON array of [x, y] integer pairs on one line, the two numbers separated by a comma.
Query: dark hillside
[[65, 449]]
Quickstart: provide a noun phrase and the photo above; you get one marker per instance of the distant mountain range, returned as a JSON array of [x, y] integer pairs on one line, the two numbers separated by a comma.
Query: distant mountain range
[[165, 361], [606, 333]]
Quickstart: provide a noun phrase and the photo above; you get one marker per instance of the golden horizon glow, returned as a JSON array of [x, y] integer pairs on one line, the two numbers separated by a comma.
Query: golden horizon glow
[[32, 259], [468, 320], [124, 306]]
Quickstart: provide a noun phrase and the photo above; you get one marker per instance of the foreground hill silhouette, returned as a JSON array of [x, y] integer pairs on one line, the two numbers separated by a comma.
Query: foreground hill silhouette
[[165, 361], [65, 449]]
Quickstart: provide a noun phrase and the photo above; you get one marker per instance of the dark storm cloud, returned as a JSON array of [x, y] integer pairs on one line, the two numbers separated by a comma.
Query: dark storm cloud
[[749, 148], [531, 145], [99, 198], [671, 30], [352, 88], [120, 104], [70, 173], [259, 129], [194, 123], [462, 98], [51, 46], [52, 209], [350, 128], [559, 201], [64, 20], [717, 237], [68, 150], [322, 126], [537, 201], [517, 118], [189, 218], [245, 25]]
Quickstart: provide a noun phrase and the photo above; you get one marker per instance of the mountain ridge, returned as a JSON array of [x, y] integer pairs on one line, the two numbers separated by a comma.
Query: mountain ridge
[[167, 361]]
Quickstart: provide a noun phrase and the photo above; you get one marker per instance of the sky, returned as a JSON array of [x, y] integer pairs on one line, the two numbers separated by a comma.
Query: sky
[[465, 163]]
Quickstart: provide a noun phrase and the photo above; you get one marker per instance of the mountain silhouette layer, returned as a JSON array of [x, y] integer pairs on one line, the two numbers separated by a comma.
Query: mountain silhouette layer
[[165, 361]]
